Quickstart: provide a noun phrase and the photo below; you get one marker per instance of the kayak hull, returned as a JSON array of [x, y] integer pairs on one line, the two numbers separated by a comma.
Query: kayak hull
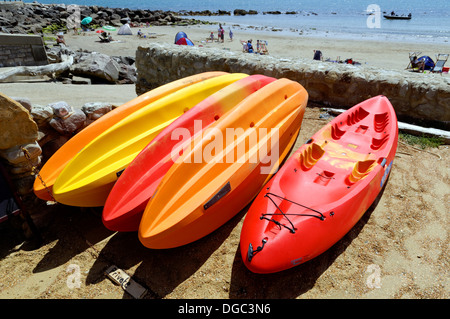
[[128, 198], [88, 178], [323, 190], [56, 163], [198, 196]]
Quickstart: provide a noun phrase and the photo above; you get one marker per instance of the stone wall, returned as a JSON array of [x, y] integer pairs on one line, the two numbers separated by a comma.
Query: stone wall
[[18, 49], [417, 97], [30, 133]]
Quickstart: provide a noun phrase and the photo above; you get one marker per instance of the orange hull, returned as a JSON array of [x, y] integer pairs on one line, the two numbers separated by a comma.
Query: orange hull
[[209, 184], [53, 167]]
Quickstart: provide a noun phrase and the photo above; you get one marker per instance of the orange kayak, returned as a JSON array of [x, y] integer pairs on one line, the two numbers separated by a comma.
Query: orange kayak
[[225, 167], [56, 163], [129, 196], [323, 190]]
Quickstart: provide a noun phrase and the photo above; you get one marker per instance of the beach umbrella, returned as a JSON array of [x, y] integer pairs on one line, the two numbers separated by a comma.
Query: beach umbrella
[[184, 41], [109, 28], [429, 63], [100, 31], [179, 36], [86, 20]]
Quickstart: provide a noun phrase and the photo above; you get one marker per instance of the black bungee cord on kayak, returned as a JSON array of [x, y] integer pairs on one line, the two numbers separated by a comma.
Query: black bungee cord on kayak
[[292, 228], [252, 252]]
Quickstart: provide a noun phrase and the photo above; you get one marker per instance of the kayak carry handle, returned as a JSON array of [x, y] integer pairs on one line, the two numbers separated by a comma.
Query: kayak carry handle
[[251, 252]]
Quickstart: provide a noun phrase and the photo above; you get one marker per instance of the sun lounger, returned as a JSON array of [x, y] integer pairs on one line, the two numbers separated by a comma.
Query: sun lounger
[[440, 61], [104, 39], [412, 55], [244, 46], [263, 47]]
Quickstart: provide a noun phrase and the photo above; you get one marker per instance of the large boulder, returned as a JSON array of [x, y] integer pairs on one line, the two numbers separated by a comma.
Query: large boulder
[[96, 66], [16, 124]]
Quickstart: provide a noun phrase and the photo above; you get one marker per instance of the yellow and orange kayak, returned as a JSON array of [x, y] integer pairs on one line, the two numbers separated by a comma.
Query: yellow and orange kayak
[[53, 167], [134, 188], [89, 177], [222, 170]]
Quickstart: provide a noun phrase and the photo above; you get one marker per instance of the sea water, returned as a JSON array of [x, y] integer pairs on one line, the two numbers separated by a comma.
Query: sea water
[[325, 18]]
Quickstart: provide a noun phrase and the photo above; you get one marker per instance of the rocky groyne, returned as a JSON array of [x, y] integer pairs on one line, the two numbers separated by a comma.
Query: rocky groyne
[[19, 17]]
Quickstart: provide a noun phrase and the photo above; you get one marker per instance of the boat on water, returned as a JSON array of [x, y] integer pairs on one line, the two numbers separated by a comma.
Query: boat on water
[[394, 16]]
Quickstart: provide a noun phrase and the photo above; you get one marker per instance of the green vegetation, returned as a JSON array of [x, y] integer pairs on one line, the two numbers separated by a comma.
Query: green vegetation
[[422, 141], [54, 28]]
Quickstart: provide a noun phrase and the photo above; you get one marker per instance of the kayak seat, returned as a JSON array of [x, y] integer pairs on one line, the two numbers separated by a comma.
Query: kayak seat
[[358, 115], [310, 155], [380, 122], [336, 132], [378, 143], [360, 170]]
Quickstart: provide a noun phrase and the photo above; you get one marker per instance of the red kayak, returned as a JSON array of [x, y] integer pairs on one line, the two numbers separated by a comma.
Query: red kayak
[[323, 190], [128, 198]]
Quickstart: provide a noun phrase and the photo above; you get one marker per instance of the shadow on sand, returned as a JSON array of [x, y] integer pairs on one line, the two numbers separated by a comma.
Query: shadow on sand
[[160, 271], [294, 282]]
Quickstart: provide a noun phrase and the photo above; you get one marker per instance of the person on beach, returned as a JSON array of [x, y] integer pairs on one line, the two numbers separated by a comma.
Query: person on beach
[[249, 46], [60, 39], [221, 32], [231, 35], [317, 55], [415, 63]]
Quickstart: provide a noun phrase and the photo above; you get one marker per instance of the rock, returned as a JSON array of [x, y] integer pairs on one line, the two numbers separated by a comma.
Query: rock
[[69, 124], [95, 110], [240, 12], [272, 12], [97, 66], [25, 102], [25, 167], [52, 144], [15, 155], [80, 80], [16, 124], [24, 184], [61, 109], [127, 74], [41, 114]]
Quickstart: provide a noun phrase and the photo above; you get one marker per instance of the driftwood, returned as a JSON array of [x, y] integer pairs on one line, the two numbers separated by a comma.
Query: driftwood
[[409, 128], [51, 69]]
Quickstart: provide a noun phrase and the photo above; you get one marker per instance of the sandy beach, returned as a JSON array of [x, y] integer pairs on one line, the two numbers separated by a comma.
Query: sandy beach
[[398, 250], [283, 44]]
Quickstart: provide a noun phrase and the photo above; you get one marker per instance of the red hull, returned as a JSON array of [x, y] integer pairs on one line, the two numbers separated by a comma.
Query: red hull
[[323, 190]]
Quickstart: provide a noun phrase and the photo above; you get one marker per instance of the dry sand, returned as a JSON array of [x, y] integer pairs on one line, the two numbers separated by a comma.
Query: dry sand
[[399, 249], [284, 44]]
